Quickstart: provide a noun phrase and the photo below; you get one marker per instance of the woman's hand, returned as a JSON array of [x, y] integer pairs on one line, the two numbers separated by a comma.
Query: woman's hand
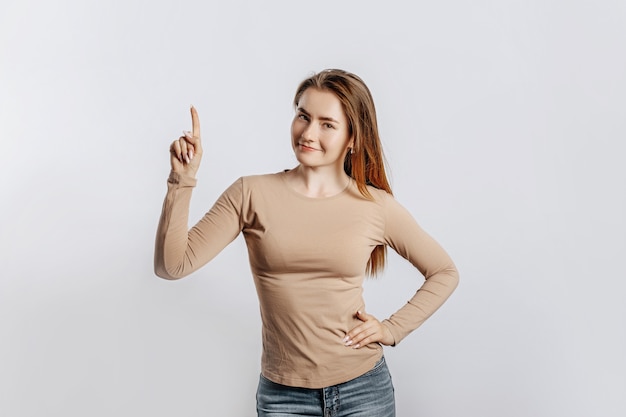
[[186, 151], [370, 331]]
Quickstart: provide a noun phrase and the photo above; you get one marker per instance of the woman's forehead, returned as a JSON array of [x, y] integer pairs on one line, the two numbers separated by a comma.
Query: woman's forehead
[[321, 103]]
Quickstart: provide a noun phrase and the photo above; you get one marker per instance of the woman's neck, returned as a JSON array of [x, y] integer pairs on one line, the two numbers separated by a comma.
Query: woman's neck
[[318, 182]]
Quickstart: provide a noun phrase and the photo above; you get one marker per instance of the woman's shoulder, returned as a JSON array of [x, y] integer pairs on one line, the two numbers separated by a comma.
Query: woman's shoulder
[[268, 178], [260, 182], [377, 195]]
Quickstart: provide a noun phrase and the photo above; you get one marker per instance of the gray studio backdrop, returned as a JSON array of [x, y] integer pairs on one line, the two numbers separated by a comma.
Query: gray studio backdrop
[[503, 124]]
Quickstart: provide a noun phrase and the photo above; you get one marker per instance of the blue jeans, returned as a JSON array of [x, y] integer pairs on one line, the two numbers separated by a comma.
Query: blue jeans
[[369, 395]]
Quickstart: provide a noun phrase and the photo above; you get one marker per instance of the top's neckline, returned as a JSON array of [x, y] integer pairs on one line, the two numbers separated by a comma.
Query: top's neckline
[[283, 176]]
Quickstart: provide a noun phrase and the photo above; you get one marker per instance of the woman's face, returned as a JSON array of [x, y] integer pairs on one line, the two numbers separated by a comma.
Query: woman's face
[[319, 131]]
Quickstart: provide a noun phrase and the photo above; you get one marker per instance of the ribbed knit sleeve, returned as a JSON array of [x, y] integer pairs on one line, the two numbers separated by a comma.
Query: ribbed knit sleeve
[[179, 251], [408, 239]]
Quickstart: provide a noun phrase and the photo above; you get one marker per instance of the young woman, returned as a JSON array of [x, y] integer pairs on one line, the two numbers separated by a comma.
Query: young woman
[[313, 233]]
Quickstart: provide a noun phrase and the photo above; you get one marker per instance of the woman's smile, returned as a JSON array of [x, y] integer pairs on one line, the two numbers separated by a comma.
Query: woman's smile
[[306, 148]]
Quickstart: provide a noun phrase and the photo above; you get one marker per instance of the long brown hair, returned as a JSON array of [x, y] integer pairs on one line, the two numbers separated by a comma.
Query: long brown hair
[[366, 162]]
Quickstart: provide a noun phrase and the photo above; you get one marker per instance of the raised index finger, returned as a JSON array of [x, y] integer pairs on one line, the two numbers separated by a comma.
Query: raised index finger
[[195, 123]]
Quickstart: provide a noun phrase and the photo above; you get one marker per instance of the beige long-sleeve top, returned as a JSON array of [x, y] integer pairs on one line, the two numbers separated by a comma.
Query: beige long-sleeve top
[[308, 258]]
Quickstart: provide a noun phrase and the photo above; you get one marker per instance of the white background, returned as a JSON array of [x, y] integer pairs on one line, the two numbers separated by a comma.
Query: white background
[[503, 124]]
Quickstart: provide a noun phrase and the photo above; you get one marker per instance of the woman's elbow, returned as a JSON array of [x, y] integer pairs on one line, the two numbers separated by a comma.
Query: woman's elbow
[[453, 273], [162, 272]]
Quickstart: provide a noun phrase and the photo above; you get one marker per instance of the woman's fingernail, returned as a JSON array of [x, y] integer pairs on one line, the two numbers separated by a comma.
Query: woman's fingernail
[[356, 346], [349, 342], [190, 154]]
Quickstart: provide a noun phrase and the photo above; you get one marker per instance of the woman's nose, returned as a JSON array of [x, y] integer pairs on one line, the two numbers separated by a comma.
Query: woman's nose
[[309, 132]]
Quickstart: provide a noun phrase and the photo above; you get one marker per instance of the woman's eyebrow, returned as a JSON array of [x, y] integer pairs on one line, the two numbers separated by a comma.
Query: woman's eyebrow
[[324, 118]]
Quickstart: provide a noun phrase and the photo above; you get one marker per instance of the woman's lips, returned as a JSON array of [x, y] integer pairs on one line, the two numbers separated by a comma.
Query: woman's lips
[[306, 148]]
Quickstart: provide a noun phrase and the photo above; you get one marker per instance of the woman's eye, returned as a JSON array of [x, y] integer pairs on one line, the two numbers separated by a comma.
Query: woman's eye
[[302, 117], [328, 126]]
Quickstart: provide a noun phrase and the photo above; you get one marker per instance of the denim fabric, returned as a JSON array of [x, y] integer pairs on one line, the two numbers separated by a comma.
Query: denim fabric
[[370, 395]]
